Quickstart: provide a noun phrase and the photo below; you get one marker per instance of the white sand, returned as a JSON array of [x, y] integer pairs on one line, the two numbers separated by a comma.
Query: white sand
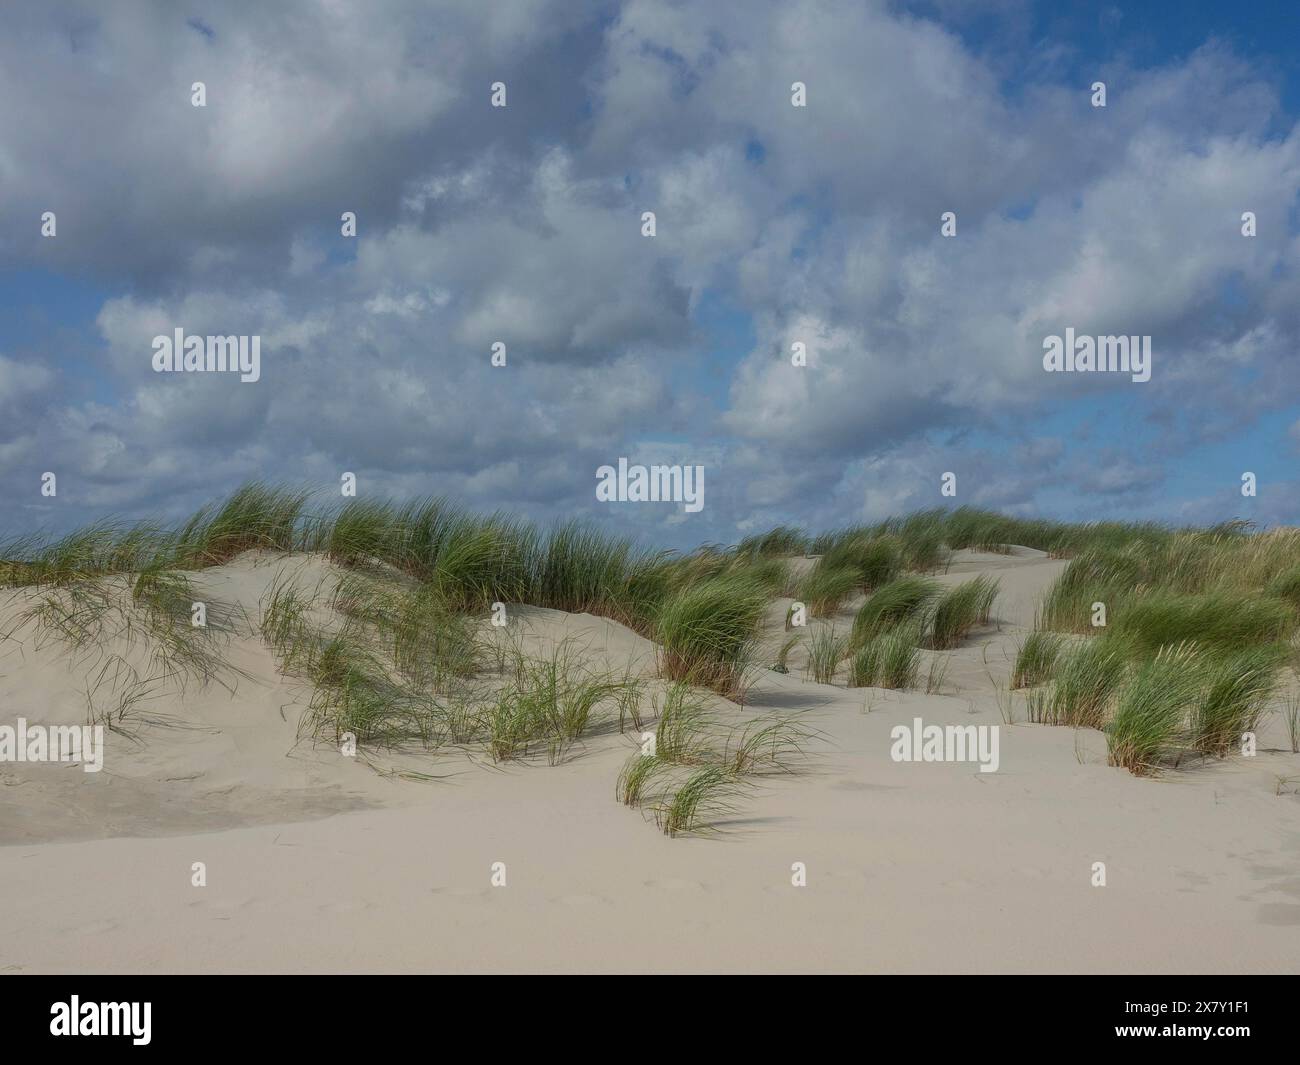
[[317, 863]]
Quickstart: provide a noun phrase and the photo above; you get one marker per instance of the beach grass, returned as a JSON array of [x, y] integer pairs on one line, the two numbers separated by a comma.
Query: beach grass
[[783, 652], [1219, 621], [826, 650], [890, 659], [779, 542], [959, 610], [1235, 689], [705, 796], [1150, 717], [826, 587], [874, 559], [637, 777], [684, 731], [707, 631], [896, 602], [766, 745], [1083, 687], [1036, 659], [400, 652], [1291, 717]]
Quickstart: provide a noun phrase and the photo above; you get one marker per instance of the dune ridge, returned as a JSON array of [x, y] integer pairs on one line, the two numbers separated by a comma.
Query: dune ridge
[[827, 855]]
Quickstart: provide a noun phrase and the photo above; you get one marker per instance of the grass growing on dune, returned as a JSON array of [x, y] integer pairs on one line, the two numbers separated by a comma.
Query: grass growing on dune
[[881, 551], [1094, 577], [766, 746], [409, 658], [1219, 621], [164, 592], [902, 599], [826, 649], [1202, 617], [923, 536], [473, 561], [1197, 696], [152, 614], [956, 612], [783, 652], [581, 569], [683, 733], [354, 689], [694, 770], [431, 644], [987, 595], [631, 692], [1291, 715], [179, 647], [1222, 565], [773, 574], [784, 540], [256, 516], [1234, 691], [81, 615], [1286, 586], [434, 646], [414, 536], [355, 694], [873, 560], [364, 530], [551, 702], [1036, 659], [285, 623], [385, 677], [707, 794], [481, 563], [1149, 719], [936, 674], [888, 660], [1084, 685], [637, 777], [99, 550], [959, 610], [707, 632], [967, 527], [115, 696], [826, 587]]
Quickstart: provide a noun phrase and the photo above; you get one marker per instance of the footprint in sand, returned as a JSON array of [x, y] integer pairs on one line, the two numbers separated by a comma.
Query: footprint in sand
[[467, 895], [581, 900], [674, 884], [1279, 913], [345, 906], [1194, 880], [841, 881]]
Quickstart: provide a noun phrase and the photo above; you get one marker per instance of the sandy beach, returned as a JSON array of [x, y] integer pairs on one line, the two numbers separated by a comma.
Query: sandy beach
[[316, 862]]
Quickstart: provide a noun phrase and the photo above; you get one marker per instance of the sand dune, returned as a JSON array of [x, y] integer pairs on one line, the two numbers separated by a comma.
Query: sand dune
[[317, 862]]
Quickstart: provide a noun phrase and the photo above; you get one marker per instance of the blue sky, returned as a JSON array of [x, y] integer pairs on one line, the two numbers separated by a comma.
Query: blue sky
[[775, 224]]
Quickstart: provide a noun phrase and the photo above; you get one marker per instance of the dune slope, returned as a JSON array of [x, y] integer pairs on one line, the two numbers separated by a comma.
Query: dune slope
[[316, 862]]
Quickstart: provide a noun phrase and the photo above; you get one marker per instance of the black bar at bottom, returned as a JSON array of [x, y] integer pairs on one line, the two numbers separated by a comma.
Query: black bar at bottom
[[338, 1013]]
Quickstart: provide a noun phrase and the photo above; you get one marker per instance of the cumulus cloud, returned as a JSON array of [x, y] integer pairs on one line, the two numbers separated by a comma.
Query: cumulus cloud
[[522, 225]]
